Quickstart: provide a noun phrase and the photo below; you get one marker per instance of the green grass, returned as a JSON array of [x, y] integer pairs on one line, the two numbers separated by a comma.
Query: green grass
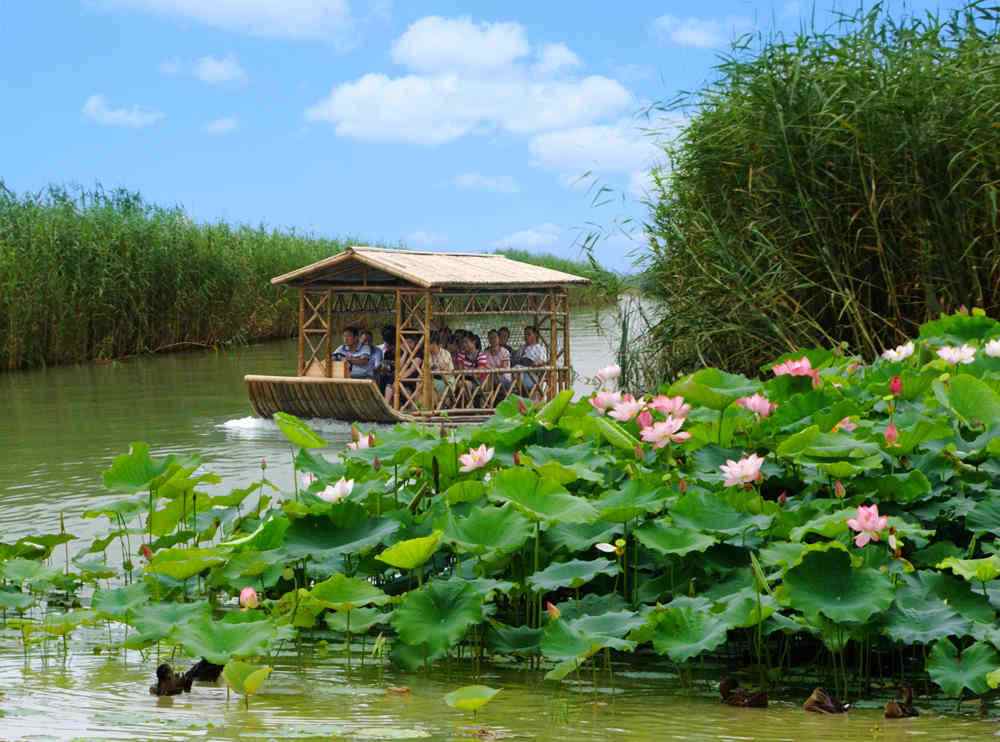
[[100, 274], [605, 284], [841, 186]]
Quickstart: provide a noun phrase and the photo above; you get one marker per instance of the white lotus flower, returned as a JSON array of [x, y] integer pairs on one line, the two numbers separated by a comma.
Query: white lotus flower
[[899, 353]]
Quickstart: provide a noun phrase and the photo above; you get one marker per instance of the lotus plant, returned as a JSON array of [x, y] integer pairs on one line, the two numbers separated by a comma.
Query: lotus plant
[[627, 409], [891, 434], [672, 406], [603, 401], [992, 348], [899, 353], [845, 424], [868, 524], [957, 355], [248, 599], [609, 374], [337, 492], [744, 472], [476, 458], [896, 385], [799, 367], [757, 404], [644, 419], [668, 431]]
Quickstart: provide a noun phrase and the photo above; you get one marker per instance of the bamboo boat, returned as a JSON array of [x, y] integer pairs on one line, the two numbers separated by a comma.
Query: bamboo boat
[[412, 291]]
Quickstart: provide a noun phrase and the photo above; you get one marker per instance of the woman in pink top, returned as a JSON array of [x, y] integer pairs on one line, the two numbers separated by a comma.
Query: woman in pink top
[[498, 356]]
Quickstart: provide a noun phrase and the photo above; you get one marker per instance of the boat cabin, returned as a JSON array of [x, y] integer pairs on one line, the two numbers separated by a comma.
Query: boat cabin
[[419, 295]]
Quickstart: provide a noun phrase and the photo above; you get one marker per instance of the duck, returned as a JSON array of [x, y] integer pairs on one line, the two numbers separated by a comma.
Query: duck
[[169, 683], [204, 670], [902, 709], [733, 695], [821, 702]]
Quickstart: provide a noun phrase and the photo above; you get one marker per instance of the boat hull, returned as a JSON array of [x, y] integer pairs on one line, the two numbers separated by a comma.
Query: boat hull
[[353, 400]]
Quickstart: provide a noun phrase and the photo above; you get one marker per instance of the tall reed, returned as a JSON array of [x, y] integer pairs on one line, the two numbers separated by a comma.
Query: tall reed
[[102, 274], [605, 285], [840, 186]]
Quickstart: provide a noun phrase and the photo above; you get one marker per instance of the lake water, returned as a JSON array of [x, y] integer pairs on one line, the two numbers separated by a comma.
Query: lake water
[[61, 428]]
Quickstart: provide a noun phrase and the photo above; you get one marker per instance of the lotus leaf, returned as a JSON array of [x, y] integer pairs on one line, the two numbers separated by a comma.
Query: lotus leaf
[[563, 641], [11, 600], [344, 593], [155, 621], [357, 621], [180, 564], [569, 463], [613, 433], [299, 609], [438, 615], [702, 511], [541, 499], [126, 508], [634, 500], [470, 697], [959, 328], [664, 538], [959, 594], [297, 432], [219, 642], [521, 640], [489, 530], [591, 605], [985, 516], [572, 574], [713, 388], [41, 546], [576, 537], [120, 602], [63, 624], [613, 624], [20, 571], [348, 530], [469, 490], [824, 582], [920, 617], [684, 631], [244, 678], [136, 470], [978, 570], [954, 672], [973, 400], [411, 553]]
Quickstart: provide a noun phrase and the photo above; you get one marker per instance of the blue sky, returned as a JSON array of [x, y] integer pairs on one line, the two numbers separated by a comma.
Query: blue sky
[[439, 125]]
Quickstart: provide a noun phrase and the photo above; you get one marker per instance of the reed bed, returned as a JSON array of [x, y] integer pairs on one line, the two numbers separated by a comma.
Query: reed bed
[[836, 187], [101, 274], [605, 285]]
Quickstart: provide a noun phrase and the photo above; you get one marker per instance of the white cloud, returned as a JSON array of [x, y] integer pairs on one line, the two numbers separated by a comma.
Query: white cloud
[[555, 58], [435, 44], [480, 182], [700, 33], [421, 238], [224, 125], [216, 70], [315, 20], [462, 88], [543, 235], [96, 108]]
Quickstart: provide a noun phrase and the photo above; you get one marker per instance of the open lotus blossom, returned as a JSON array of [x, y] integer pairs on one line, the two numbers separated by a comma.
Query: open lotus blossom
[[337, 492], [609, 373], [847, 425], [645, 419], [891, 434], [627, 409], [896, 385], [553, 612], [757, 404], [604, 401], [899, 353], [248, 598], [668, 431], [476, 458], [798, 367], [992, 348], [674, 406], [868, 524], [742, 472], [957, 354]]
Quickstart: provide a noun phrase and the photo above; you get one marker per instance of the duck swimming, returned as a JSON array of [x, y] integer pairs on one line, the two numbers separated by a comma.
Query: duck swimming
[[821, 702], [733, 695], [204, 670], [902, 709], [169, 683]]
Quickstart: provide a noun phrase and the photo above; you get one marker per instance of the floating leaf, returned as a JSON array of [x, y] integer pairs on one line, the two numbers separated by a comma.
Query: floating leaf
[[471, 697], [244, 678]]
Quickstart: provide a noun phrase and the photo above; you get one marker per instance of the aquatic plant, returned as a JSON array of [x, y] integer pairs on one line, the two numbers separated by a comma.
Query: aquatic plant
[[558, 535]]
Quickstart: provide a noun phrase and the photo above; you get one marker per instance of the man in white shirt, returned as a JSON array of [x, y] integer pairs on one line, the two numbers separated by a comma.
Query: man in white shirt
[[355, 353], [532, 354]]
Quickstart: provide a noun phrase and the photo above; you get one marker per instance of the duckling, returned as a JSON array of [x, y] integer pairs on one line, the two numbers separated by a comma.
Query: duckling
[[902, 709], [204, 670], [821, 702], [169, 683], [733, 695]]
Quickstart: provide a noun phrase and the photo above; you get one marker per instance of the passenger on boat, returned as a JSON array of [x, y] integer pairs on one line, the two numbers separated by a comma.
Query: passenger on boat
[[355, 353], [375, 359], [504, 333], [532, 354], [498, 356], [441, 361], [386, 376]]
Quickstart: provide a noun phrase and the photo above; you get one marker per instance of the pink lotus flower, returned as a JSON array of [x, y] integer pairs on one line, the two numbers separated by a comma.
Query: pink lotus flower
[[957, 355], [337, 492], [742, 472], [248, 598], [609, 373], [846, 425], [868, 524], [757, 404], [992, 348], [673, 406], [668, 431], [899, 353], [645, 419], [896, 385], [627, 409], [800, 367], [891, 434], [604, 401], [476, 458]]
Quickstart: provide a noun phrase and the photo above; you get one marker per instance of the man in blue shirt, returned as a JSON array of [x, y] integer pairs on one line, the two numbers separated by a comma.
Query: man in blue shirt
[[355, 353], [375, 359]]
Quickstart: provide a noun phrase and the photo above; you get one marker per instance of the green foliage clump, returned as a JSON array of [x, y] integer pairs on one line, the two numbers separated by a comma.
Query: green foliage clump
[[605, 284], [838, 186]]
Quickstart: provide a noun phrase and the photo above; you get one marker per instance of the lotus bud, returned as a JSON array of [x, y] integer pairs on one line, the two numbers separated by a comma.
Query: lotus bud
[[645, 419], [639, 455], [248, 598], [263, 464], [783, 498], [896, 386], [522, 407], [376, 463], [838, 489], [517, 458], [891, 434], [146, 552], [553, 612], [682, 486], [371, 440], [355, 434]]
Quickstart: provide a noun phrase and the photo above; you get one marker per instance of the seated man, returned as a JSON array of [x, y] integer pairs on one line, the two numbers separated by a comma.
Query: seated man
[[356, 354], [375, 359], [532, 354]]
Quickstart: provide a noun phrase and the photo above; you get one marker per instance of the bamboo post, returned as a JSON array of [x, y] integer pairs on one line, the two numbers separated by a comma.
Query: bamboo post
[[566, 356], [399, 343], [329, 334], [553, 347], [302, 332], [425, 373]]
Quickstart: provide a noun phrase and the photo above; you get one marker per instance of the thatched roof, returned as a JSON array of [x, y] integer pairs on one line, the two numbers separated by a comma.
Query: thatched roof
[[377, 267]]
